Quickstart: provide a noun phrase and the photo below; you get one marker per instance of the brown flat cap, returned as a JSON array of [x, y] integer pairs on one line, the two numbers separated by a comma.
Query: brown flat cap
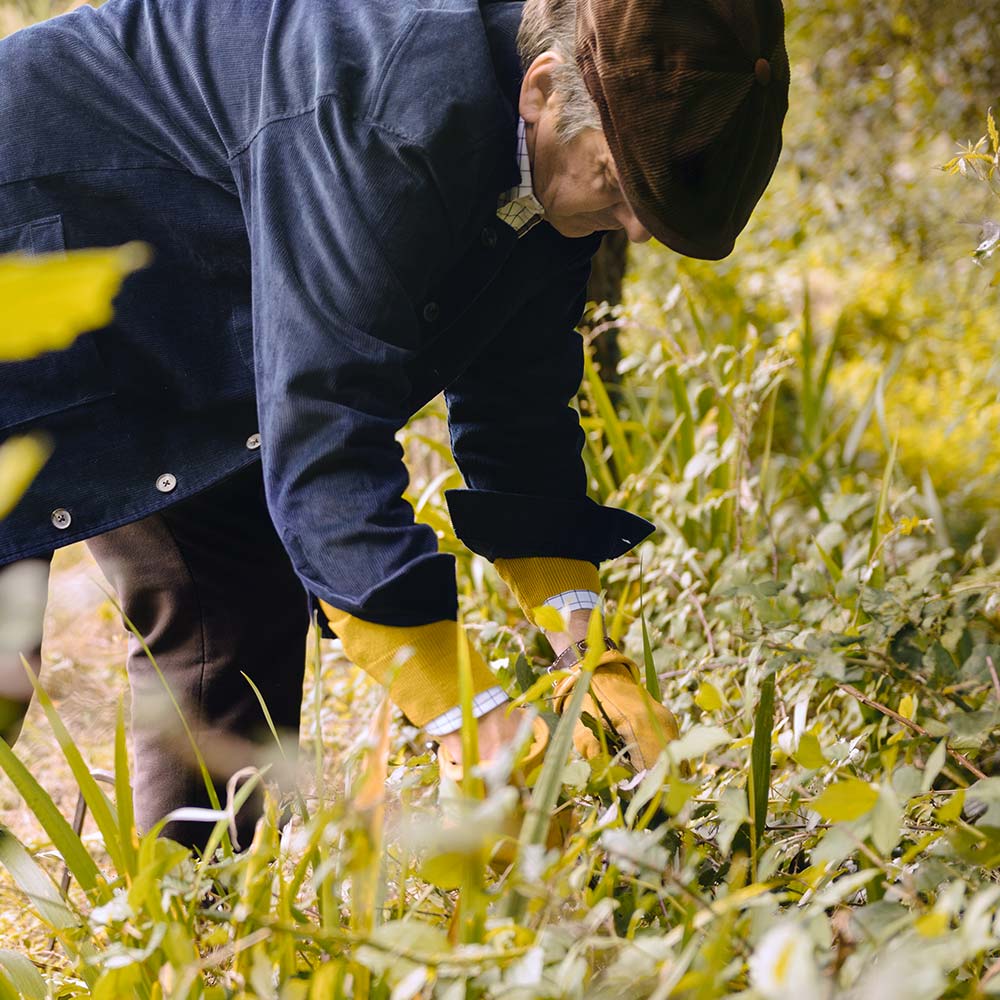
[[692, 95]]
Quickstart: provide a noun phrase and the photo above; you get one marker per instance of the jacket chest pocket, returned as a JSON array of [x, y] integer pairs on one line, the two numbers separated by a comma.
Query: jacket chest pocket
[[56, 381]]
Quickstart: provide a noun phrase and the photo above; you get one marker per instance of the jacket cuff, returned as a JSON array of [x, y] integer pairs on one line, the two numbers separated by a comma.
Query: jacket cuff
[[534, 581], [513, 526], [419, 664], [422, 591]]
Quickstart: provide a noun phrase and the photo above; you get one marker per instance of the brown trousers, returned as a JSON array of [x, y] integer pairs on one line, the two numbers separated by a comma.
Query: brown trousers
[[209, 587]]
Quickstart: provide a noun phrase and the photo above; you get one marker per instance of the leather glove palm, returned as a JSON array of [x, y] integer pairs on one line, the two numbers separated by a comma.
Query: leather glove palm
[[619, 701]]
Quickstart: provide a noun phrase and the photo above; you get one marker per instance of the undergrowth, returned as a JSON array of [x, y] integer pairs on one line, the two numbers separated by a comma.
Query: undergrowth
[[826, 825]]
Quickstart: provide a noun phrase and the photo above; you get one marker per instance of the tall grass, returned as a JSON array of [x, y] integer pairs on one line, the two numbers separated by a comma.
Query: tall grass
[[833, 669]]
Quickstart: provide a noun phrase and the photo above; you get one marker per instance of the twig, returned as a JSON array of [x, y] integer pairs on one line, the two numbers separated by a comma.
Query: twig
[[912, 726], [689, 593], [993, 674], [990, 973]]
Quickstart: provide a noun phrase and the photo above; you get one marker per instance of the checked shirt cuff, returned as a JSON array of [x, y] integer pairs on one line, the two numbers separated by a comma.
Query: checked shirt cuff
[[451, 721]]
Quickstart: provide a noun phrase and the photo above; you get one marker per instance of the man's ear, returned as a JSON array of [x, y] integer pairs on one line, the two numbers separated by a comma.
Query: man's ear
[[537, 86]]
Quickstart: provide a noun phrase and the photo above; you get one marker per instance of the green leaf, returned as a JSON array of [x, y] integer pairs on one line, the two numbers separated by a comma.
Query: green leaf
[[650, 785], [523, 674], [809, 753], [846, 800], [678, 794], [886, 820], [697, 742], [613, 430], [760, 758], [934, 765]]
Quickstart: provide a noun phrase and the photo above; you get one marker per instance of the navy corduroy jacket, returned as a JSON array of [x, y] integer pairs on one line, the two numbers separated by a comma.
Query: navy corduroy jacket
[[319, 182]]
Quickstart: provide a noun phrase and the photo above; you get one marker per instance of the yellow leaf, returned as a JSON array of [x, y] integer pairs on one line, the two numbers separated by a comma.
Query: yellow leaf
[[444, 870], [932, 924], [46, 301], [846, 800], [991, 124], [549, 618], [677, 795], [809, 753], [952, 809], [708, 697], [540, 688], [907, 707], [21, 459]]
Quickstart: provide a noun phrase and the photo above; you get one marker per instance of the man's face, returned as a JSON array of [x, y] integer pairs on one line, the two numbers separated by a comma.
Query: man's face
[[576, 181]]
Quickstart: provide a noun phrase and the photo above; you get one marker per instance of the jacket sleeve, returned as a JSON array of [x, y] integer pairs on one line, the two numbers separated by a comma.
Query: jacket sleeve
[[335, 329], [517, 439]]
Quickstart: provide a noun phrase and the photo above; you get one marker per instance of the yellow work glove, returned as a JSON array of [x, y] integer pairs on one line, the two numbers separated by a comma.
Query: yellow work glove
[[618, 698]]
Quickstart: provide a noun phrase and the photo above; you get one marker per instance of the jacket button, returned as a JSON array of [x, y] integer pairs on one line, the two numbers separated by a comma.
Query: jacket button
[[61, 519], [432, 312], [166, 483], [489, 237], [253, 442]]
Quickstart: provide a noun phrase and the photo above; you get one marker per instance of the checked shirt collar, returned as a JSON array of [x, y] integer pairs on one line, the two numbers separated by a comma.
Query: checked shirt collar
[[518, 207]]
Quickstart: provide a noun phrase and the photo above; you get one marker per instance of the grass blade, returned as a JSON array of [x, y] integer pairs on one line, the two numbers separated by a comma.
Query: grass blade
[[34, 883], [877, 578], [535, 828], [299, 797], [624, 459], [93, 795], [65, 841], [652, 681], [760, 765], [124, 805], [23, 975], [213, 795], [7, 989]]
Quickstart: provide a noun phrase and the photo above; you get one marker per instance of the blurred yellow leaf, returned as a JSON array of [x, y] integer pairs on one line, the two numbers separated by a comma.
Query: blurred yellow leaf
[[677, 796], [952, 809], [21, 459], [846, 800], [907, 707], [708, 698], [932, 924], [809, 753], [549, 618], [46, 301]]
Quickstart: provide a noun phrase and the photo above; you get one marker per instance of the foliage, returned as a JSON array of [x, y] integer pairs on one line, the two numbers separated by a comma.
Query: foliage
[[826, 823], [982, 162]]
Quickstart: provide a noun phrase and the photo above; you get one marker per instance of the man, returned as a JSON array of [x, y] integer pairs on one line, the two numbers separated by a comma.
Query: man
[[353, 207]]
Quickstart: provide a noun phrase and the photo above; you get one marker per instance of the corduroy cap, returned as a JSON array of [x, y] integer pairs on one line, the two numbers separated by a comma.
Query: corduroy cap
[[692, 96]]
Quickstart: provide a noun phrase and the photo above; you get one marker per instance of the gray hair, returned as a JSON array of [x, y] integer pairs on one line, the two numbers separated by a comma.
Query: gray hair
[[550, 25]]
